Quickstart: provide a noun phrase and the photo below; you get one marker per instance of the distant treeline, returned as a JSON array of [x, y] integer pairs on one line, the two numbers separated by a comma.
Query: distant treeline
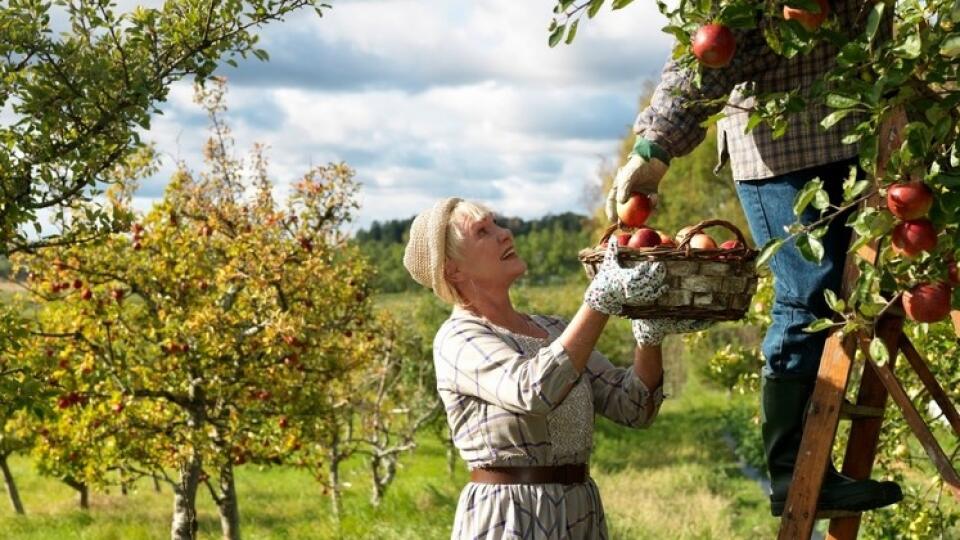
[[549, 245]]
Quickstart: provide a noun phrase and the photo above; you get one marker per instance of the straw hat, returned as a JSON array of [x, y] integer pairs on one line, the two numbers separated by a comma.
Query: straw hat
[[425, 254]]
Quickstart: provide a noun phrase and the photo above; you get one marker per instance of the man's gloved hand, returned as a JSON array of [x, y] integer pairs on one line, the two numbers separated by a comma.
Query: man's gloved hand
[[652, 331], [641, 174], [612, 286]]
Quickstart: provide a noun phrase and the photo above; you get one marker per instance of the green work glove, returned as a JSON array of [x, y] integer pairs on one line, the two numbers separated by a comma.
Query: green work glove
[[641, 174]]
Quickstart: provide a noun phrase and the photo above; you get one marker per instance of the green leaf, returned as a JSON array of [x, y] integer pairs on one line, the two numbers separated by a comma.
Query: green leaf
[[873, 21], [851, 192], [821, 200], [878, 351], [572, 33], [556, 35], [837, 101], [950, 47], [819, 325], [713, 119], [910, 47], [753, 122], [833, 118], [832, 301], [618, 4], [810, 248], [769, 250], [594, 8], [806, 196]]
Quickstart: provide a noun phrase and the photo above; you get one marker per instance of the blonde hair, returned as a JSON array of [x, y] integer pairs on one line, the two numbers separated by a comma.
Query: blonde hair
[[463, 213]]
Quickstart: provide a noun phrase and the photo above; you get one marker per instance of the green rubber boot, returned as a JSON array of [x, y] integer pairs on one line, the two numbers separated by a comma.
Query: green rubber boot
[[783, 402]]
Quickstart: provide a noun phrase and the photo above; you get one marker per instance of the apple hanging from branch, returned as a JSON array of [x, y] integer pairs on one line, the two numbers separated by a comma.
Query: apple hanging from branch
[[808, 19], [714, 45]]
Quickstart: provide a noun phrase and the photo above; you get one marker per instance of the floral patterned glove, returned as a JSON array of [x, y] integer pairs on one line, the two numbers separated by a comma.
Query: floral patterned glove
[[612, 286], [652, 331]]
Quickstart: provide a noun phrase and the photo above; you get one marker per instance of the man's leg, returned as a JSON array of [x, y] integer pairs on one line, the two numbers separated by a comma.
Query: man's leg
[[792, 356]]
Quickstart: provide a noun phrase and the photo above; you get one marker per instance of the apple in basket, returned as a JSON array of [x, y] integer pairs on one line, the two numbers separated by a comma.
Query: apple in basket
[[635, 211], [666, 240], [644, 237], [731, 244], [698, 241]]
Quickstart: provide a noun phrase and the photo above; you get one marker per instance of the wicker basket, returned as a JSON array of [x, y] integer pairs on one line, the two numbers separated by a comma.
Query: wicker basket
[[705, 284]]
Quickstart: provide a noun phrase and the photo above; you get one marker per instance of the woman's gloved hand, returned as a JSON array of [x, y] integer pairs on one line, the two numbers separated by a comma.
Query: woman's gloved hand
[[652, 331], [612, 286]]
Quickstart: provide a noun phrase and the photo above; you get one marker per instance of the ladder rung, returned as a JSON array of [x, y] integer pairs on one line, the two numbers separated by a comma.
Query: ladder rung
[[830, 514], [850, 411]]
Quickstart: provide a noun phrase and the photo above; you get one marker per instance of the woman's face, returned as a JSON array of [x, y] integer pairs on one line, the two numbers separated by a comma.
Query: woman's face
[[488, 253]]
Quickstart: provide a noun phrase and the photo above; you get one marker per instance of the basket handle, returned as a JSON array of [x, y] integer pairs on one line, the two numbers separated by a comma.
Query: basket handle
[[608, 231], [685, 243]]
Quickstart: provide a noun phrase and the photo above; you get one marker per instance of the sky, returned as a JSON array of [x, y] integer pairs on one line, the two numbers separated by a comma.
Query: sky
[[432, 98]]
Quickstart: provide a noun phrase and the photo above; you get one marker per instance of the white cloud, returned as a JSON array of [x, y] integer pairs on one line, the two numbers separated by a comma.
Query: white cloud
[[434, 98]]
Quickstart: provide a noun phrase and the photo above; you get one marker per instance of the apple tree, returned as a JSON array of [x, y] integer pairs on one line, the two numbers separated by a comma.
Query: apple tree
[[895, 77], [214, 333], [81, 79]]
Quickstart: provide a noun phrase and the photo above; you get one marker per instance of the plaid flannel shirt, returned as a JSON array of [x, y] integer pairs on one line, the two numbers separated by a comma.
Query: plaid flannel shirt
[[497, 399], [676, 109]]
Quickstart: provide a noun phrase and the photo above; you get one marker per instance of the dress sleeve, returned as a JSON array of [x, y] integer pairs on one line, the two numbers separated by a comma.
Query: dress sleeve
[[471, 359], [679, 105], [618, 393]]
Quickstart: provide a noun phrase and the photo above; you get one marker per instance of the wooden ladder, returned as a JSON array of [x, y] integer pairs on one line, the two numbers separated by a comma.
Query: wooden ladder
[[828, 406]]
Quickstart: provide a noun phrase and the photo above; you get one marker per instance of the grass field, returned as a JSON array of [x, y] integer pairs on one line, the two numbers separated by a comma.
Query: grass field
[[675, 480]]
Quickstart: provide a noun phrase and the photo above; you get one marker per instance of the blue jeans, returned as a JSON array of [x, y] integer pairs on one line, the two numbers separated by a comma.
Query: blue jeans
[[798, 284]]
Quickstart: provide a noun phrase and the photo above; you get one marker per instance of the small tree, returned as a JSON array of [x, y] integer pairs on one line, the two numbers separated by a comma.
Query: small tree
[[213, 332]]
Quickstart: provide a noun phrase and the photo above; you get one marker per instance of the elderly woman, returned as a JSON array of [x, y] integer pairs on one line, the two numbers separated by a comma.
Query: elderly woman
[[521, 390]]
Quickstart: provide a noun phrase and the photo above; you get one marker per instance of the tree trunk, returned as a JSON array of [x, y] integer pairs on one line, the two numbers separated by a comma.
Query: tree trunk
[[334, 479], [375, 469], [156, 483], [229, 510], [11, 486], [184, 526], [83, 494]]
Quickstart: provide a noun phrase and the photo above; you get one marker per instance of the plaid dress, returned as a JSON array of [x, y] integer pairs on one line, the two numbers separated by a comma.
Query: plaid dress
[[514, 400], [672, 120]]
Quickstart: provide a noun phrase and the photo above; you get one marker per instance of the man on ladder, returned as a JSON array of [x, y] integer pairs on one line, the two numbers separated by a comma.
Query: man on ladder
[[768, 175]]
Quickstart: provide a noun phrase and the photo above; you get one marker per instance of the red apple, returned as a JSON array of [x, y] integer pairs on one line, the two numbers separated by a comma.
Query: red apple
[[117, 294], [714, 45], [666, 240], [731, 244], [622, 239], [635, 211], [909, 200], [77, 284], [117, 407], [910, 238], [644, 238], [283, 423], [702, 241], [927, 302], [809, 20], [86, 294], [952, 273]]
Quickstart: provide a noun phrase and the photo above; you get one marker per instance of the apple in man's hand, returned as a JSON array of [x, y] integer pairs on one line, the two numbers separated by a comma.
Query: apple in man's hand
[[635, 211], [807, 19]]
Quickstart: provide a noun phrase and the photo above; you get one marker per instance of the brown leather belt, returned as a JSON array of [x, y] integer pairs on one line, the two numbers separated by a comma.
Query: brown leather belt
[[560, 474]]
